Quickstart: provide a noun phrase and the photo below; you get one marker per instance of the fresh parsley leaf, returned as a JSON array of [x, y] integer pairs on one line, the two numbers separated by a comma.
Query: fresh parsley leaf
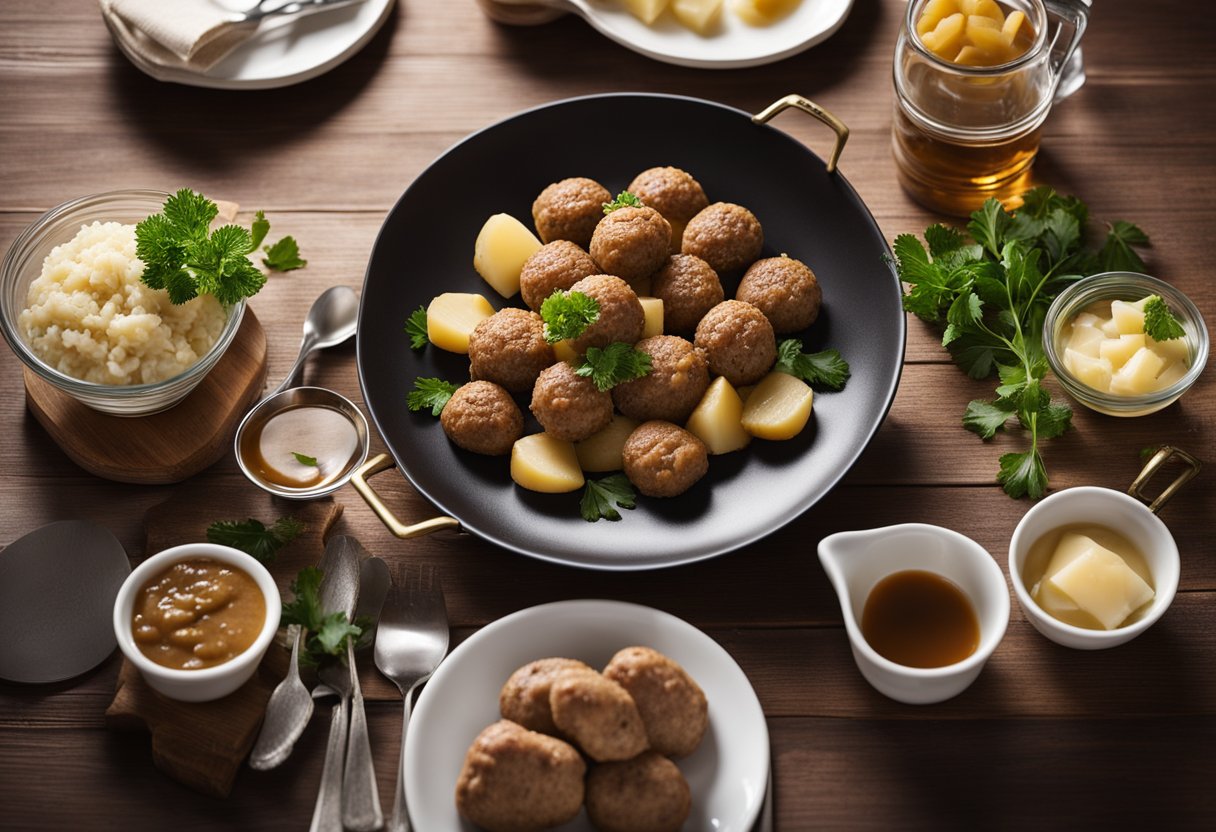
[[568, 314], [819, 369], [327, 633], [415, 327], [986, 418], [623, 200], [253, 537], [331, 636], [602, 496], [1117, 254], [304, 609], [614, 364], [431, 392], [305, 460], [190, 213], [283, 256], [1023, 475], [259, 230], [988, 226], [1160, 322]]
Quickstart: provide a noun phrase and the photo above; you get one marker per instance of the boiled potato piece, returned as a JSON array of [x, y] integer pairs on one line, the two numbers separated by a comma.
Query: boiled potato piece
[[564, 352], [1128, 317], [451, 317], [1086, 340], [541, 463], [698, 15], [946, 37], [602, 451], [647, 11], [501, 249], [763, 12], [1171, 375], [1118, 352], [778, 408], [1174, 349], [653, 309], [1092, 372], [718, 419], [1138, 375], [933, 13]]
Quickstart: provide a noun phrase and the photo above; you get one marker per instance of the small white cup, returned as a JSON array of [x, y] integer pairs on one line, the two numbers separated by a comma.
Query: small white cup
[[206, 683], [856, 561]]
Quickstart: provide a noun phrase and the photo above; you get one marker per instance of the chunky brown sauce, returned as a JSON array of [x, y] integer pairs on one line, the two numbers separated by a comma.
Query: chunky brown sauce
[[198, 613], [920, 619], [317, 434]]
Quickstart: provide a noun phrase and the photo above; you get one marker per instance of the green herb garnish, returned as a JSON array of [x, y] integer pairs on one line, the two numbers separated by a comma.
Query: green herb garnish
[[259, 229], [415, 327], [181, 257], [305, 460], [1160, 322], [568, 314], [253, 537], [623, 200], [283, 256], [327, 634], [614, 364], [600, 496], [991, 295], [431, 392], [819, 369]]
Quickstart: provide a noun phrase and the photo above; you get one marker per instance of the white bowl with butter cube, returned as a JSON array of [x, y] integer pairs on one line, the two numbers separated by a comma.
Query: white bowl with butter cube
[[1098, 337]]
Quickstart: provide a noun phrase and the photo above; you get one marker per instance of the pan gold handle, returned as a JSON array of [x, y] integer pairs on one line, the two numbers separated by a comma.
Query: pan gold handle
[[810, 107], [369, 469], [1163, 455]]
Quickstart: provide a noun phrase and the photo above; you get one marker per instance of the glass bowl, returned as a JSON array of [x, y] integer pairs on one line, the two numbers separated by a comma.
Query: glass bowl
[[23, 263]]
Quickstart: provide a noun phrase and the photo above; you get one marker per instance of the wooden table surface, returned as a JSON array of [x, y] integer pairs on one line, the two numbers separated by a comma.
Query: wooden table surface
[[1046, 738]]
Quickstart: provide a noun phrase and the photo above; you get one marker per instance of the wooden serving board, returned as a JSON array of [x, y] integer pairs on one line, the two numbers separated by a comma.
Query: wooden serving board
[[164, 447]]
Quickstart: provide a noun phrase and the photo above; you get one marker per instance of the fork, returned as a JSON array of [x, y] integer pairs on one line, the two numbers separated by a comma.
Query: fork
[[411, 641], [266, 8]]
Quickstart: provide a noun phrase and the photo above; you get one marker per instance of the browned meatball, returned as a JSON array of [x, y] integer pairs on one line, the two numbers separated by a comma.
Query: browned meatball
[[621, 315], [516, 780], [556, 265], [672, 705], [645, 794], [509, 348], [631, 243], [679, 376], [597, 714], [785, 290], [673, 193], [724, 235], [569, 406], [688, 288], [570, 210], [525, 696], [483, 418], [738, 340], [664, 460]]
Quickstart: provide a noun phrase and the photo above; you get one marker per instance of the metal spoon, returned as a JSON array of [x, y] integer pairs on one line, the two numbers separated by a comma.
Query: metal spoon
[[332, 320]]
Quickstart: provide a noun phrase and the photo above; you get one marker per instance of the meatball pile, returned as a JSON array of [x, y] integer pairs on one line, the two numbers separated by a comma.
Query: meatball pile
[[526, 771]]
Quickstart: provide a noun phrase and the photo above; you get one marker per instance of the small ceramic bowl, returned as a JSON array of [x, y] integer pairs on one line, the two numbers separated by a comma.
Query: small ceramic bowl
[[856, 561], [207, 683]]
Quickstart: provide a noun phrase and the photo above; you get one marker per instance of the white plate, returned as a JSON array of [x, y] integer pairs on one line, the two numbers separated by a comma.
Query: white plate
[[282, 52], [727, 773], [735, 44]]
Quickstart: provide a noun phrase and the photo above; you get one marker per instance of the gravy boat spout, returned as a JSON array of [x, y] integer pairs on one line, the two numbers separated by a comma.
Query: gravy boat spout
[[856, 561]]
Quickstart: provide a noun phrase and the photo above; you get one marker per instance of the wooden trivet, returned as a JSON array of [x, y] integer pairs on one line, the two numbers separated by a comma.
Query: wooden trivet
[[164, 447]]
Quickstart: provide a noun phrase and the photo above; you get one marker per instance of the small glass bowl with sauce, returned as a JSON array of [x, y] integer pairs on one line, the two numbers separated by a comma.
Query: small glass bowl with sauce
[[192, 664], [1085, 295]]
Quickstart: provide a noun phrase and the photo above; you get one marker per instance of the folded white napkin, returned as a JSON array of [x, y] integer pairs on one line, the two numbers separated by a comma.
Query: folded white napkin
[[193, 35]]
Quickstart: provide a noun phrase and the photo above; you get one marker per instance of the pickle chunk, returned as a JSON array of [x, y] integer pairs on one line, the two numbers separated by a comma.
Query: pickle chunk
[[541, 463], [778, 408]]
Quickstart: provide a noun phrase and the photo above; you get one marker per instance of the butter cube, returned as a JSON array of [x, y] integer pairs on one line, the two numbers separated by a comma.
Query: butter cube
[[1096, 580], [1128, 318], [1117, 352], [1138, 375]]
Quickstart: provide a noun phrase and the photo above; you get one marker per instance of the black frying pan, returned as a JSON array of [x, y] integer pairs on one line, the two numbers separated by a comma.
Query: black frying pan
[[426, 247]]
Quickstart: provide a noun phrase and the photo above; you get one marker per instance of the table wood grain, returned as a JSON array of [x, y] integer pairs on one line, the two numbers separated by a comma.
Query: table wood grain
[[1047, 738]]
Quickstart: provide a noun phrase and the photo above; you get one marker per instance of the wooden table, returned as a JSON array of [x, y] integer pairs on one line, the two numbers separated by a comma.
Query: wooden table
[[1047, 737]]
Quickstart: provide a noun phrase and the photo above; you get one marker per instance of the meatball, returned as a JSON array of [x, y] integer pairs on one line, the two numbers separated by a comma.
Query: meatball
[[738, 340], [556, 265], [483, 418], [621, 315], [688, 288], [570, 210], [525, 696], [724, 235], [631, 243], [679, 376], [672, 705], [785, 290], [509, 348], [664, 460], [516, 780], [645, 794], [598, 714], [673, 193], [569, 406]]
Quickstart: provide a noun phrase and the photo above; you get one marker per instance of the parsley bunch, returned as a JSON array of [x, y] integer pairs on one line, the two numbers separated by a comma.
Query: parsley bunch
[[992, 293], [623, 200], [568, 314]]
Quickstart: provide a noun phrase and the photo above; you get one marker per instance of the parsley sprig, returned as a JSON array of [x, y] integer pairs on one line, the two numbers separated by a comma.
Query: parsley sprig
[[614, 364], [283, 256], [991, 292], [415, 327], [430, 392], [327, 633], [602, 497], [568, 314], [623, 200], [819, 369], [253, 536], [305, 459], [1160, 322]]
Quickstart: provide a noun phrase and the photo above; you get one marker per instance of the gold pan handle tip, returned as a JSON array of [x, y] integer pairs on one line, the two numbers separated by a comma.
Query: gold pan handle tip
[[376, 465], [811, 108]]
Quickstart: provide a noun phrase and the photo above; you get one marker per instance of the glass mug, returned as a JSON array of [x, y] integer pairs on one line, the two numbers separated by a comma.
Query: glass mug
[[963, 134]]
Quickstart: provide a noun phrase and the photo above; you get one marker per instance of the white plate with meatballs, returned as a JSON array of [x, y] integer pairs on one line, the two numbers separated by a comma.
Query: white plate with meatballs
[[715, 713]]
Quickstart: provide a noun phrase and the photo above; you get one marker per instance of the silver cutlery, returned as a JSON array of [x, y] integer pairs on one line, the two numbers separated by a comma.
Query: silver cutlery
[[411, 641], [268, 8], [333, 318]]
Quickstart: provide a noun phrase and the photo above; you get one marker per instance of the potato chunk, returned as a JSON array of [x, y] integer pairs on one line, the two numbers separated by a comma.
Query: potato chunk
[[699, 15], [1128, 317], [451, 317], [502, 246], [718, 419], [647, 11], [541, 463], [778, 408], [602, 450], [653, 309]]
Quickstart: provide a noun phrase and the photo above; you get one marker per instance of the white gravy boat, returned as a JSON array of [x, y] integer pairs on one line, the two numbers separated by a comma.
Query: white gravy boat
[[856, 561]]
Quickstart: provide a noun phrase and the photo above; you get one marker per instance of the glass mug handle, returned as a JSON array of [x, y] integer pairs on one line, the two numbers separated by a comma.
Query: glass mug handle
[[1072, 14]]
